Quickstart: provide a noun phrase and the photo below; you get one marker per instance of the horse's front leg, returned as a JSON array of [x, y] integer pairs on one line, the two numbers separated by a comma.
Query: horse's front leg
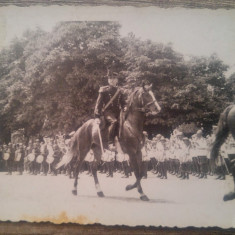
[[143, 197], [137, 185], [136, 161]]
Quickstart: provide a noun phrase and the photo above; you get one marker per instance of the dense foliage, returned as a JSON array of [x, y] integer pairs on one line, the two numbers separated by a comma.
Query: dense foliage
[[49, 81]]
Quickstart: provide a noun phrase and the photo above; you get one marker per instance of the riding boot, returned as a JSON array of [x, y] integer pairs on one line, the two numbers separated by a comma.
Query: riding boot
[[111, 132]]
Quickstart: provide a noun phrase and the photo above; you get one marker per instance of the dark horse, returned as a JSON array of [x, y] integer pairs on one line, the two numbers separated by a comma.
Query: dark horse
[[226, 125], [87, 137]]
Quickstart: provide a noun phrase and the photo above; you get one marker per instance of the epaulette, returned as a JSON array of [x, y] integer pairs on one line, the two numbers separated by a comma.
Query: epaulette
[[103, 89]]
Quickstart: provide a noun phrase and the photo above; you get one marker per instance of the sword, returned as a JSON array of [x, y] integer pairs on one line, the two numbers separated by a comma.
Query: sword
[[101, 143], [155, 101]]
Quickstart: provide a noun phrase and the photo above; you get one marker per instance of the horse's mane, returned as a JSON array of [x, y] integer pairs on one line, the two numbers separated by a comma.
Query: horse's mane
[[131, 98]]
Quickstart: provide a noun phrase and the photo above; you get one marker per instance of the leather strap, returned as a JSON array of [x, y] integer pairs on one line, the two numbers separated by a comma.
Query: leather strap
[[111, 100]]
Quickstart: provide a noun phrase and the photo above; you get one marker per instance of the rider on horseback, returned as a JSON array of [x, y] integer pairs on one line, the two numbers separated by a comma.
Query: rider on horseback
[[109, 104]]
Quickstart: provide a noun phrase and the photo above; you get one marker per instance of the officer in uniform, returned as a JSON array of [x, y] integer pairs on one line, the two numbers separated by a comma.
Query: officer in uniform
[[36, 150], [185, 158], [19, 158], [152, 155], [109, 104], [89, 159]]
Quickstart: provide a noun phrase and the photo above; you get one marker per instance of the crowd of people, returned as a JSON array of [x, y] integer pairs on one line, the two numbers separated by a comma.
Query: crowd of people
[[178, 155]]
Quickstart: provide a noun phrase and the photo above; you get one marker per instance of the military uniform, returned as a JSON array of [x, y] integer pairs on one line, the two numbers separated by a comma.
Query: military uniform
[[57, 157], [163, 159], [112, 112], [152, 156], [185, 158], [44, 152], [35, 167], [89, 159], [145, 156], [10, 161], [110, 162], [19, 159], [201, 147]]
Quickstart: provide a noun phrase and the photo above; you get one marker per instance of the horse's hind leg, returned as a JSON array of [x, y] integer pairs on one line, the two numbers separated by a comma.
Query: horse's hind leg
[[97, 184], [76, 172], [97, 155]]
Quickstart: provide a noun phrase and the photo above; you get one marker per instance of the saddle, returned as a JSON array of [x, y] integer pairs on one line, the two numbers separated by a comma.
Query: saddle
[[104, 124]]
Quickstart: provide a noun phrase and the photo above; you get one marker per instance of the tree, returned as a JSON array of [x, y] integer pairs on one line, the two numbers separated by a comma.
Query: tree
[[49, 81]]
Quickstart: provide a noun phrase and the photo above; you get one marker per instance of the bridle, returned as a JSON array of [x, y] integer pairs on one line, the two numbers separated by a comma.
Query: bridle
[[145, 107]]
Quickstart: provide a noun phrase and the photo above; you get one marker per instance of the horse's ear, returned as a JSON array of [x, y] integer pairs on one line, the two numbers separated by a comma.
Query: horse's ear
[[147, 86]]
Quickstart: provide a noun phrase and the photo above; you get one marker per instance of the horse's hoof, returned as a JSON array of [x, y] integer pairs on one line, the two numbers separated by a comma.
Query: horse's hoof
[[129, 187], [100, 194], [144, 198], [229, 196], [74, 192]]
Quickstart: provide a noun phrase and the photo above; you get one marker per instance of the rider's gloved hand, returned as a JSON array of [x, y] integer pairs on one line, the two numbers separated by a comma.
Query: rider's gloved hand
[[97, 121]]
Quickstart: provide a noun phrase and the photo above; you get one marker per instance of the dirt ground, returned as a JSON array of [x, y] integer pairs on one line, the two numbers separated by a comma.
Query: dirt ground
[[173, 202]]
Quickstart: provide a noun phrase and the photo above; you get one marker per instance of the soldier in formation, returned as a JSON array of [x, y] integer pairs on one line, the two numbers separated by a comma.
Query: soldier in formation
[[178, 155]]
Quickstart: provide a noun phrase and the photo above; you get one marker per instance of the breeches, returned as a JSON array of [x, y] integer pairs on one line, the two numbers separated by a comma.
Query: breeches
[[113, 124]]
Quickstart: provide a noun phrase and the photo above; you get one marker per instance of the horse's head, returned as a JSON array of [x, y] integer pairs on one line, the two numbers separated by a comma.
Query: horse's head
[[144, 101]]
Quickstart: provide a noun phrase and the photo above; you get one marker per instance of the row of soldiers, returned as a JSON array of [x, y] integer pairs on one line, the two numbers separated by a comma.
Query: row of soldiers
[[177, 155], [42, 157], [37, 157], [182, 156]]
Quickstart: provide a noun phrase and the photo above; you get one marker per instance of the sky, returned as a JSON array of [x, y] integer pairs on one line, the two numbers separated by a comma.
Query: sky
[[198, 32]]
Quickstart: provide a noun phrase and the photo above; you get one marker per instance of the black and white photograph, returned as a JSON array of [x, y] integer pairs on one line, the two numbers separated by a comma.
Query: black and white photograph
[[117, 115]]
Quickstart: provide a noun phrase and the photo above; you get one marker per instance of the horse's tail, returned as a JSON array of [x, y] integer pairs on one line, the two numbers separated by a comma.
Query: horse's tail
[[66, 159], [72, 151], [221, 133]]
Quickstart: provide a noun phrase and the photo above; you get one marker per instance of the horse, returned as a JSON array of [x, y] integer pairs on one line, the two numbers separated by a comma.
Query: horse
[[91, 137], [226, 125]]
